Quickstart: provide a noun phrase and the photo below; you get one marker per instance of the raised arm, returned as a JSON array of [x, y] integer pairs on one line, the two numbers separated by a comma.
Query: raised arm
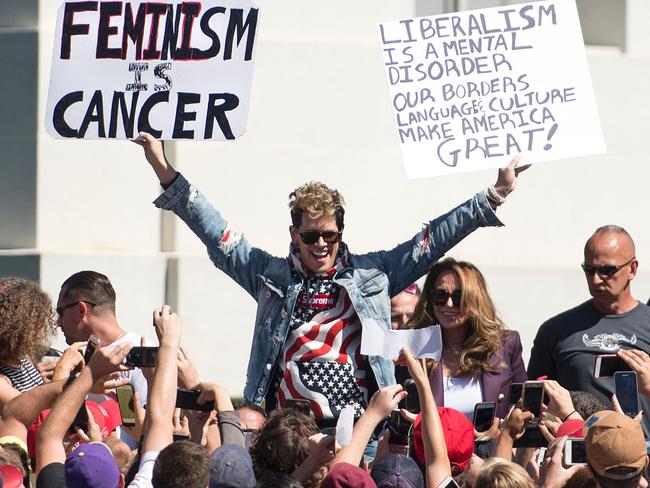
[[435, 448], [154, 151], [410, 260], [162, 394], [228, 249], [379, 408]]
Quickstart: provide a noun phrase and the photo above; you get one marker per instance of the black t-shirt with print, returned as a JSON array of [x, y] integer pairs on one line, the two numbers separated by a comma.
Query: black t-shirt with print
[[566, 346]]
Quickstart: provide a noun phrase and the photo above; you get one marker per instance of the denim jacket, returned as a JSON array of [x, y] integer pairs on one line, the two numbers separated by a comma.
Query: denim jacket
[[370, 279]]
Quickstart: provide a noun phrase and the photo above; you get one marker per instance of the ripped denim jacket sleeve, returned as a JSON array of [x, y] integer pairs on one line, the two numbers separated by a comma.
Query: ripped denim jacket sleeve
[[410, 260], [229, 250]]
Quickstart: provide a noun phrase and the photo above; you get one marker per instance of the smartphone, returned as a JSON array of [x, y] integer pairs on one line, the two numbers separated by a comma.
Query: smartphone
[[575, 451], [448, 482], [516, 390], [399, 429], [608, 364], [187, 399], [484, 415], [126, 403], [627, 392], [142, 357], [532, 437], [532, 397], [80, 420], [91, 347], [301, 405], [412, 400]]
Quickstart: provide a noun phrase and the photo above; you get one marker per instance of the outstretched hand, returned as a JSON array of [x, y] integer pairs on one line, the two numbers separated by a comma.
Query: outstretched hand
[[508, 176]]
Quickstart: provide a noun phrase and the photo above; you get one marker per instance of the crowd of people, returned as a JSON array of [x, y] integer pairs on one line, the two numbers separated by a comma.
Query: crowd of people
[[64, 422]]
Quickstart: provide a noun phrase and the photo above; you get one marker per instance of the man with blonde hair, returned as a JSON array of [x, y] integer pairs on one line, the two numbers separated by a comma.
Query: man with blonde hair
[[311, 305]]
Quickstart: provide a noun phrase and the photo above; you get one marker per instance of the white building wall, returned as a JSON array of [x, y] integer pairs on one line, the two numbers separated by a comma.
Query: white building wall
[[320, 110]]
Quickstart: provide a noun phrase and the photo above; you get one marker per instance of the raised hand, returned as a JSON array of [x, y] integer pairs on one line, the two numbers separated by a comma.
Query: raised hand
[[167, 325], [508, 176], [154, 151]]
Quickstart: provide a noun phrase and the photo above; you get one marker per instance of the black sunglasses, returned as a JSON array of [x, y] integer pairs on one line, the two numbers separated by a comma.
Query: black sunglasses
[[60, 309], [441, 296], [606, 271], [310, 237]]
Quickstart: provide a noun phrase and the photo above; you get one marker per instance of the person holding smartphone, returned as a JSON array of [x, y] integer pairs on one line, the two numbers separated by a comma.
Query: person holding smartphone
[[480, 358], [613, 320]]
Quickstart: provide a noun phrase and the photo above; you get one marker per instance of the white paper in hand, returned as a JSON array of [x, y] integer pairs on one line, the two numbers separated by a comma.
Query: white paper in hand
[[344, 426], [423, 343]]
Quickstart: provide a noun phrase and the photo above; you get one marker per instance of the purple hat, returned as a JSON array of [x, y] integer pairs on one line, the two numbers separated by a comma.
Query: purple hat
[[231, 467], [91, 466], [397, 471]]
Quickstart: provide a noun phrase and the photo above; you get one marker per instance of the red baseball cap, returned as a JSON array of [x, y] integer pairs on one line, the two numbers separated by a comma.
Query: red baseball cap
[[10, 476], [459, 437], [571, 428]]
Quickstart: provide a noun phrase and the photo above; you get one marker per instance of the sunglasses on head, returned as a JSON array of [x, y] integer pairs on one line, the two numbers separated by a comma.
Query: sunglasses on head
[[606, 271], [310, 237], [440, 297]]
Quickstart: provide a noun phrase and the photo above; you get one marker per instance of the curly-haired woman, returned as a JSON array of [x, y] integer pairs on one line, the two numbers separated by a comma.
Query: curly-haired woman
[[480, 358], [26, 324]]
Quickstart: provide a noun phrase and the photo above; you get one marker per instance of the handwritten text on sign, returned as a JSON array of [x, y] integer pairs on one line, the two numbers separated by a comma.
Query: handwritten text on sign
[[471, 88], [179, 70]]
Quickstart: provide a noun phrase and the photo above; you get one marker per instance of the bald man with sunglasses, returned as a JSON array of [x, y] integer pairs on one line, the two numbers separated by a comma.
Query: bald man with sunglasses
[[312, 303], [566, 345]]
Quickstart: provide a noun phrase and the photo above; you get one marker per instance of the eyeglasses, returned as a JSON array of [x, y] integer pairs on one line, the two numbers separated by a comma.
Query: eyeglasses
[[440, 297], [311, 237], [61, 308], [606, 271]]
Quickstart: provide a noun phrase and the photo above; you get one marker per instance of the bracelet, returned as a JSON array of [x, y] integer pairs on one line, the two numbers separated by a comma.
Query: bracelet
[[564, 419], [493, 196]]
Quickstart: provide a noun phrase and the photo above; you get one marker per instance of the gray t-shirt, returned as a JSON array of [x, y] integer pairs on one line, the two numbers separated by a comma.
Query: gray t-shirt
[[566, 346]]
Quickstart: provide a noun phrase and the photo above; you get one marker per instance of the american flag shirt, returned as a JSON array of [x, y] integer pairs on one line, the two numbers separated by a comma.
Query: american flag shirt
[[321, 361]]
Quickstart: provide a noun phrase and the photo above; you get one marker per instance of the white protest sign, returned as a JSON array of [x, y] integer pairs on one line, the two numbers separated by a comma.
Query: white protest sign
[[178, 70], [469, 90], [423, 343]]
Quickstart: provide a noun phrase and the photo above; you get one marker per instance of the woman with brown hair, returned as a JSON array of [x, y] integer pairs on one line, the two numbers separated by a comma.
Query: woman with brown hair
[[480, 358], [26, 324]]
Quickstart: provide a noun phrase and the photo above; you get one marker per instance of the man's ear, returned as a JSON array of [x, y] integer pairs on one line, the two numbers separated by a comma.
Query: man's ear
[[84, 309], [121, 483], [634, 266]]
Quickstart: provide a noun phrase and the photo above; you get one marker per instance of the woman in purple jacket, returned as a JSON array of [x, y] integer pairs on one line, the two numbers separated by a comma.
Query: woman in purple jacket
[[480, 358]]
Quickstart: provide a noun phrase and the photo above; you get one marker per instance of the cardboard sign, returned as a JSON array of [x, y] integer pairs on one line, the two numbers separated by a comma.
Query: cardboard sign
[[178, 70], [470, 90]]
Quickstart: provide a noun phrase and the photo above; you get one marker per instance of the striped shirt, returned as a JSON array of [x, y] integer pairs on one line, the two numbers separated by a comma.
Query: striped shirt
[[23, 378]]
